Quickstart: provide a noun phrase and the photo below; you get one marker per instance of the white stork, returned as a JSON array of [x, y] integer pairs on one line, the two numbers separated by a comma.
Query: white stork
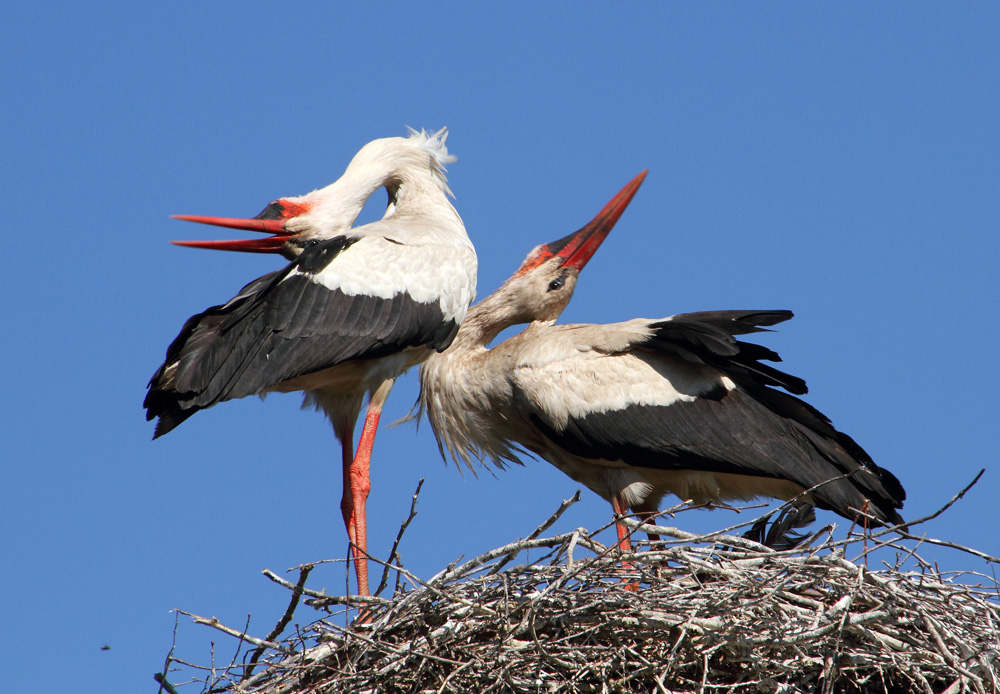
[[355, 308], [639, 409]]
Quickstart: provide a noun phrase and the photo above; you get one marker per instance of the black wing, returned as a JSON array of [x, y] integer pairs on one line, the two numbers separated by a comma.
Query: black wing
[[753, 430], [279, 327]]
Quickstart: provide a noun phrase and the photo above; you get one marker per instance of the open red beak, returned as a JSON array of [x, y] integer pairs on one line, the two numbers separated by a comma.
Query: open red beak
[[271, 221], [272, 244], [578, 248]]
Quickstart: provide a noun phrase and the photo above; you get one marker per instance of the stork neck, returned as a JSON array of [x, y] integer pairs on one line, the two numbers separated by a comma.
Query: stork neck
[[491, 316], [413, 191]]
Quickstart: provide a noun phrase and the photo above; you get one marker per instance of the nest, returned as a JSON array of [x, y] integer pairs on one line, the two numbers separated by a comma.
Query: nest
[[689, 614]]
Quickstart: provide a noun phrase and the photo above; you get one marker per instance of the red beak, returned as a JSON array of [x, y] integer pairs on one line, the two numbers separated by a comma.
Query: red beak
[[271, 221], [578, 248], [272, 244]]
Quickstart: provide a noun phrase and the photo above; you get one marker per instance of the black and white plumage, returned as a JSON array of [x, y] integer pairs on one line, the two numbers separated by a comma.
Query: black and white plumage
[[354, 309], [285, 330], [643, 408]]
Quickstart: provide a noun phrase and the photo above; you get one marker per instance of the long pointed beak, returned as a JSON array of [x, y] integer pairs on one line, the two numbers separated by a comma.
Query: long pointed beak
[[579, 247], [272, 244]]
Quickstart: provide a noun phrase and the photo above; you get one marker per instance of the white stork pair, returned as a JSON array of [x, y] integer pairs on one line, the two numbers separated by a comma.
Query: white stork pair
[[632, 410]]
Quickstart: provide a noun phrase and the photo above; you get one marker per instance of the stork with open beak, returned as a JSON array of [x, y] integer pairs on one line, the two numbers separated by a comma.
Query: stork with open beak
[[639, 409], [354, 308]]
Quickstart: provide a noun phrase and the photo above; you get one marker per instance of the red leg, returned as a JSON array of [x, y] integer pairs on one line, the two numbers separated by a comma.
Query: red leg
[[358, 482], [347, 500], [624, 544]]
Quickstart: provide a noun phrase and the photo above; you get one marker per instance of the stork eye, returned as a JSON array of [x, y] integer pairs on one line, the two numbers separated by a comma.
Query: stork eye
[[311, 243], [557, 283]]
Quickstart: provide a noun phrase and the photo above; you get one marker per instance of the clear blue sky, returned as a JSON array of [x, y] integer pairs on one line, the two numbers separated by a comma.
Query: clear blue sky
[[842, 161]]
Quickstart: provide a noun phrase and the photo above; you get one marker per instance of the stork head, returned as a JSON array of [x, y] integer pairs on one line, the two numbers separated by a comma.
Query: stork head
[[394, 163], [281, 218], [544, 283]]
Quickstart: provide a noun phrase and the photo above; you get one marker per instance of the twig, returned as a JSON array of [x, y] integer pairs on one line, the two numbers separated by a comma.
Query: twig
[[953, 499], [323, 600], [216, 624], [539, 530], [282, 623], [393, 557], [162, 677]]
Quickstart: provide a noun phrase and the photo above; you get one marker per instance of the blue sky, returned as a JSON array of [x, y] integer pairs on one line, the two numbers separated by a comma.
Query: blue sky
[[842, 161]]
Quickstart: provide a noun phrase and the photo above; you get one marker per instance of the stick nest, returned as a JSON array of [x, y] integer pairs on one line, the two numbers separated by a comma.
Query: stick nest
[[689, 614]]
